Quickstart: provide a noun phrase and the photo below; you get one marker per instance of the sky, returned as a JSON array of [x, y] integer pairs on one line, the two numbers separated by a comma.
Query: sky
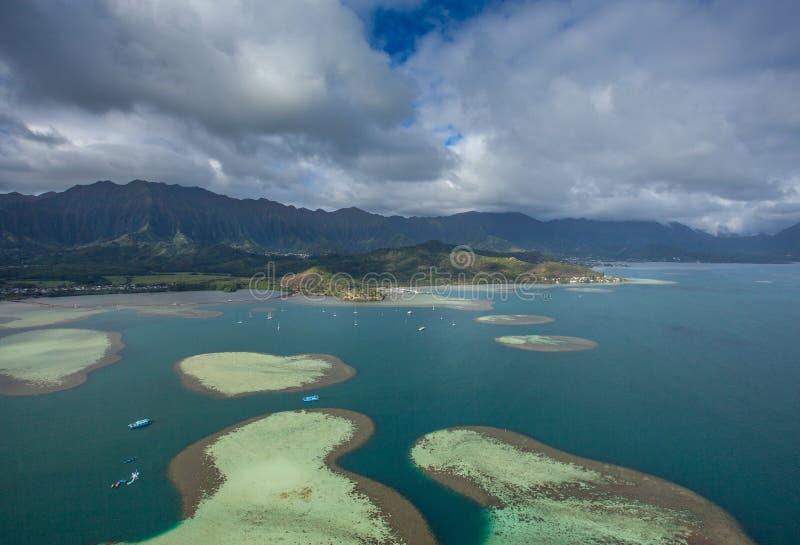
[[674, 110]]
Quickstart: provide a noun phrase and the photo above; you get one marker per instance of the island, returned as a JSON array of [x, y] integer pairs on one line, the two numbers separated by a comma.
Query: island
[[274, 479], [513, 319], [547, 343], [50, 360], [236, 374], [537, 494]]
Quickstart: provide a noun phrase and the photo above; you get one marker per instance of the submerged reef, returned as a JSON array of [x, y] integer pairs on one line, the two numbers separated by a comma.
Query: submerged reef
[[229, 374], [513, 319], [274, 479], [547, 343], [537, 494], [49, 360]]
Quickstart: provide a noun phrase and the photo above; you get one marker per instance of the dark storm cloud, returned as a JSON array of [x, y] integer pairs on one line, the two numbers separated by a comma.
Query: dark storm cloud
[[660, 110]]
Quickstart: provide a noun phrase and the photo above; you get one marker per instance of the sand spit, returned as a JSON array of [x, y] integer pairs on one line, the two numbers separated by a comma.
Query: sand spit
[[547, 343], [50, 360], [513, 319], [235, 374], [537, 494], [274, 479]]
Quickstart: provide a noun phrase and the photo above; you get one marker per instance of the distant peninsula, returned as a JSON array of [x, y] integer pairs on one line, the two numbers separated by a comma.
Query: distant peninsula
[[361, 277]]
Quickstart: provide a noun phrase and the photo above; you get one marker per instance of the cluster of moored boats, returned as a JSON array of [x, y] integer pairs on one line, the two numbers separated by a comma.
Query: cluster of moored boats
[[141, 423]]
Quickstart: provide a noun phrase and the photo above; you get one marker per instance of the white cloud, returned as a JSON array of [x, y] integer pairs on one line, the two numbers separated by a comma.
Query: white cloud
[[651, 110]]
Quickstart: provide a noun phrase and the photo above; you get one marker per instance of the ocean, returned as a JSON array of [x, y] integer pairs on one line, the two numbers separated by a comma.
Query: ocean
[[696, 382]]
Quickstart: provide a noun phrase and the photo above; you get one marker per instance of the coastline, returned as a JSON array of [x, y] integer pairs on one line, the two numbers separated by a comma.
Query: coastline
[[338, 372], [13, 387], [193, 473], [714, 525]]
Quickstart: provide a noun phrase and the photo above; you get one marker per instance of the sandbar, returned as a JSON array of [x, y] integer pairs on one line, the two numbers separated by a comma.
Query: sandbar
[[590, 290], [537, 494], [547, 343], [15, 315], [514, 319], [176, 311], [274, 479], [50, 360], [235, 374], [649, 282]]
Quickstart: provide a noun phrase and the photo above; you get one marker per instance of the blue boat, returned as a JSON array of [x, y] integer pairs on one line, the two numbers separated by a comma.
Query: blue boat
[[309, 399], [139, 424]]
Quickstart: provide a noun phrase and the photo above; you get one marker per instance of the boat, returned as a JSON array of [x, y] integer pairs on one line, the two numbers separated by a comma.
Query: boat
[[269, 315], [140, 424], [126, 482], [239, 322], [421, 328], [410, 312], [129, 460], [312, 397]]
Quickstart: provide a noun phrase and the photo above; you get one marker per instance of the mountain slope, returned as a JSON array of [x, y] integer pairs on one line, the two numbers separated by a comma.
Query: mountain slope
[[143, 212]]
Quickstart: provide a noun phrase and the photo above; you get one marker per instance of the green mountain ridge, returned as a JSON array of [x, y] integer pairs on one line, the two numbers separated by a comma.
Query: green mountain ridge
[[149, 213]]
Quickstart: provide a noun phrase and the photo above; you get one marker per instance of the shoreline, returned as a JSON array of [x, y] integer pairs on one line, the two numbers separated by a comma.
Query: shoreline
[[193, 473], [338, 372], [13, 387], [715, 524]]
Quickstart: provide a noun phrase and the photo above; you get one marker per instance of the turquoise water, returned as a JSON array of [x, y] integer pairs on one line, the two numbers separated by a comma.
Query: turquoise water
[[695, 382]]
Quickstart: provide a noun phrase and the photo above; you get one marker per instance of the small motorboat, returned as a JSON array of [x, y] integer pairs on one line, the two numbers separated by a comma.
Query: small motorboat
[[410, 312], [126, 482], [309, 399], [129, 460], [144, 422], [421, 328]]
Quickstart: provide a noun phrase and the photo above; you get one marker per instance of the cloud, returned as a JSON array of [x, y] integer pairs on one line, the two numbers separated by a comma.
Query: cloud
[[283, 80], [672, 111], [656, 110]]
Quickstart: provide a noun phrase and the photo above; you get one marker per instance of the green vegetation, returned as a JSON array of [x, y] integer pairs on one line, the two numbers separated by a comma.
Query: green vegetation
[[129, 266]]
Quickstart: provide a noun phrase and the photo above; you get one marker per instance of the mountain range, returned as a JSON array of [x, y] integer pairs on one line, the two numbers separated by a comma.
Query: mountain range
[[146, 214]]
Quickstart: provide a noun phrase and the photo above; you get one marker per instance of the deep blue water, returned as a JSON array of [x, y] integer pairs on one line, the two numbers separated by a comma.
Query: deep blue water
[[696, 382]]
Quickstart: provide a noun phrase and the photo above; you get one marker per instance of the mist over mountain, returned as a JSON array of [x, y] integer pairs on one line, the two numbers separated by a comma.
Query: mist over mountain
[[145, 214]]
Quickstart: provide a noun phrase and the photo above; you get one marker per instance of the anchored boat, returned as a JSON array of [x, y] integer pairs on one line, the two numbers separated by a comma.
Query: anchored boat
[[311, 398], [140, 424]]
